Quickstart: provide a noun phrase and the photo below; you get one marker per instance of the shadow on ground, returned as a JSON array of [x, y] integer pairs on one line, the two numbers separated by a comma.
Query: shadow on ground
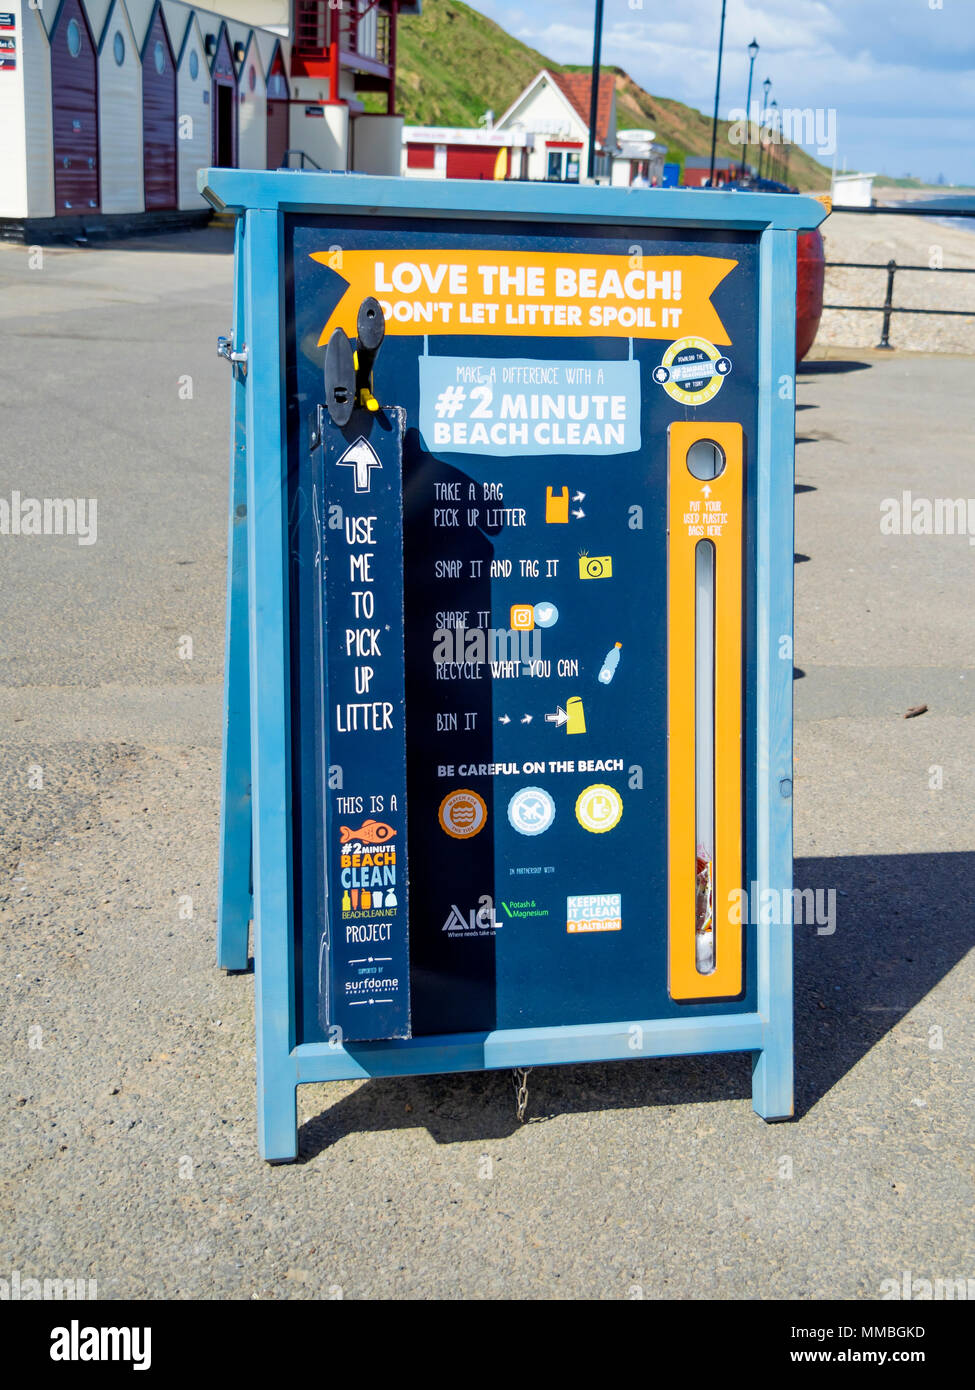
[[902, 922], [830, 367]]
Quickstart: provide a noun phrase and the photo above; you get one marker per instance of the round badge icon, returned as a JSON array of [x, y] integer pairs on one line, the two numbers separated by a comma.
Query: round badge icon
[[531, 811], [691, 371], [462, 814], [546, 614], [599, 808]]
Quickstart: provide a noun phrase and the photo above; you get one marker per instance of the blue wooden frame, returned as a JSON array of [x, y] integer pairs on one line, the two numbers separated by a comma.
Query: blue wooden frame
[[256, 767]]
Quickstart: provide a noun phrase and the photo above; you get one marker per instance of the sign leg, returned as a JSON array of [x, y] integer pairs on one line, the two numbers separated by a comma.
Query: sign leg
[[772, 1081], [235, 906]]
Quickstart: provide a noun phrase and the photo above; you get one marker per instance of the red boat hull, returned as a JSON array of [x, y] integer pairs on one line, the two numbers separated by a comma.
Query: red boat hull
[[810, 269]]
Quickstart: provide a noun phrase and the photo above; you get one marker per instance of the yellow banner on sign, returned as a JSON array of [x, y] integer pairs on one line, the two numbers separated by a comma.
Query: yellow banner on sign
[[530, 293]]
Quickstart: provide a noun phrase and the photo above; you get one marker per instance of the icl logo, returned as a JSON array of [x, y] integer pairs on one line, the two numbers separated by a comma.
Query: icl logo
[[481, 918]]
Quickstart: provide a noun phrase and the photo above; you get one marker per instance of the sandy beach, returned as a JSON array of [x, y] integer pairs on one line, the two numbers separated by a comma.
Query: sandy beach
[[918, 241]]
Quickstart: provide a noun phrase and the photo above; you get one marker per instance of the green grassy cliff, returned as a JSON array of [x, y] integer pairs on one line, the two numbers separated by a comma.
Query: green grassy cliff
[[453, 64]]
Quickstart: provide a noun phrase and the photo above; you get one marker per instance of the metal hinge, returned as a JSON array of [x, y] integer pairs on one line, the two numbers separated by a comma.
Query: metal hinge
[[225, 349]]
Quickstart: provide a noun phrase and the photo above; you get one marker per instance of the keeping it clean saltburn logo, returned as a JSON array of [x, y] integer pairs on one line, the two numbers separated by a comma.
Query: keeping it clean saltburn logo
[[589, 912]]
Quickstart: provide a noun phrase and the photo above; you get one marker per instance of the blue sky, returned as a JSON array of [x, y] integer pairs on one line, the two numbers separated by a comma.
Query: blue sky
[[899, 74]]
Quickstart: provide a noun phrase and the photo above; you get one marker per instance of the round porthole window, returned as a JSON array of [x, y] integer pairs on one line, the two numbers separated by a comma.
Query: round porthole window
[[159, 56], [118, 47], [194, 65], [74, 38], [252, 78]]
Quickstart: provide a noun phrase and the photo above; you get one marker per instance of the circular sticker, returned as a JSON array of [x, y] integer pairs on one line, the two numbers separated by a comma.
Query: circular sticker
[[691, 371], [599, 808], [531, 811], [546, 614], [462, 814]]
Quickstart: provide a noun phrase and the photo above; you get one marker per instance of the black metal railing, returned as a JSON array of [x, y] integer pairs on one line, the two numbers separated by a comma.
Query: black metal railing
[[304, 160], [889, 307]]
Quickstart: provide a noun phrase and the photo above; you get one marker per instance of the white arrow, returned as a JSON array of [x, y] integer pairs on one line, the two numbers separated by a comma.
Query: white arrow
[[558, 718], [526, 719], [706, 490], [578, 497], [363, 458], [504, 719], [578, 512]]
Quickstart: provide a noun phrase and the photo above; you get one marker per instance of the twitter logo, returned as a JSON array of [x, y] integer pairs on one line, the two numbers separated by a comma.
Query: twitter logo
[[546, 615]]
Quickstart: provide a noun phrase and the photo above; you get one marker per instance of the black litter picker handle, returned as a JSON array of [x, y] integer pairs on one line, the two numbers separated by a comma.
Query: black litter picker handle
[[348, 370]]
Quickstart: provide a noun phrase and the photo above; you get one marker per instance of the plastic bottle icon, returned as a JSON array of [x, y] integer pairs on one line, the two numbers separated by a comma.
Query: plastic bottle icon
[[390, 898], [610, 664], [346, 901]]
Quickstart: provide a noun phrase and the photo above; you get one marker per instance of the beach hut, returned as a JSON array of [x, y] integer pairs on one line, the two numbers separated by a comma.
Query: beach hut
[[120, 113], [74, 100], [193, 105], [252, 109], [159, 115]]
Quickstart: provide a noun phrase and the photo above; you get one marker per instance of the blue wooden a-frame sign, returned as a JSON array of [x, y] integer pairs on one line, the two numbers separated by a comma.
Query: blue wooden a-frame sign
[[288, 225]]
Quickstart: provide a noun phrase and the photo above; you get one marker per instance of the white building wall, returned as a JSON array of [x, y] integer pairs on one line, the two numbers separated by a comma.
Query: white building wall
[[27, 162], [324, 138], [853, 190], [252, 112], [193, 123], [377, 144], [547, 112], [264, 13], [40, 120], [120, 117]]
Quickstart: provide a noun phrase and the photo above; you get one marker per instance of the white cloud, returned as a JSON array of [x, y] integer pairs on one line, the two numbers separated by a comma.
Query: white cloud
[[899, 74]]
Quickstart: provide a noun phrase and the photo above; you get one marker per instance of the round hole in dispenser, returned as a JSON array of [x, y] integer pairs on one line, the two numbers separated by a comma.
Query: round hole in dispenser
[[705, 460]]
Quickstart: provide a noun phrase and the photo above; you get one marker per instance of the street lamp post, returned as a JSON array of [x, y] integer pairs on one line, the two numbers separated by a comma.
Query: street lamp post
[[717, 92], [772, 129], [752, 55], [766, 88], [594, 92]]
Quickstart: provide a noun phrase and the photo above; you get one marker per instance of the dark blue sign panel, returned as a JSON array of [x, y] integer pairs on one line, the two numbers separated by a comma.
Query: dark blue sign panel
[[357, 508], [538, 374]]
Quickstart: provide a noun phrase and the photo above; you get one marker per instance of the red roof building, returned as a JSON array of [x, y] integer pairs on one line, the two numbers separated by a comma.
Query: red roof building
[[555, 107]]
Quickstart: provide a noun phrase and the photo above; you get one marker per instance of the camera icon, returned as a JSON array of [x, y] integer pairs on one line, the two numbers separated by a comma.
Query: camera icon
[[522, 617], [595, 566]]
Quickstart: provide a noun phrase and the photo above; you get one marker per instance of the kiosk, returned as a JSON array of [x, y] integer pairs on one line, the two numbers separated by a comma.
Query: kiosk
[[508, 719]]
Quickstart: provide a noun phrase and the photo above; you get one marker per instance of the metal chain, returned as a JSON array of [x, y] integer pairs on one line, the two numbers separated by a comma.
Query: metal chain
[[519, 1079]]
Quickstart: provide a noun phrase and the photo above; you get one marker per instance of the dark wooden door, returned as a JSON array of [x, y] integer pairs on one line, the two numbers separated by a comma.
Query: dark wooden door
[[277, 133], [224, 99], [159, 116], [74, 91]]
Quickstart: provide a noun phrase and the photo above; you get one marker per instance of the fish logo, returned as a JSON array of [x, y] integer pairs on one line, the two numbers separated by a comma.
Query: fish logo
[[370, 832]]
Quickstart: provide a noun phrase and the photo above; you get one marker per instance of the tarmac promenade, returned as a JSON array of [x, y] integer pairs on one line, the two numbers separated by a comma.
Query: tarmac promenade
[[128, 1153]]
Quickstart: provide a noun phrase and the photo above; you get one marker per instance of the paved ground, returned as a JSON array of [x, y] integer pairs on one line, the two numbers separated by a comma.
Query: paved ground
[[128, 1153]]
